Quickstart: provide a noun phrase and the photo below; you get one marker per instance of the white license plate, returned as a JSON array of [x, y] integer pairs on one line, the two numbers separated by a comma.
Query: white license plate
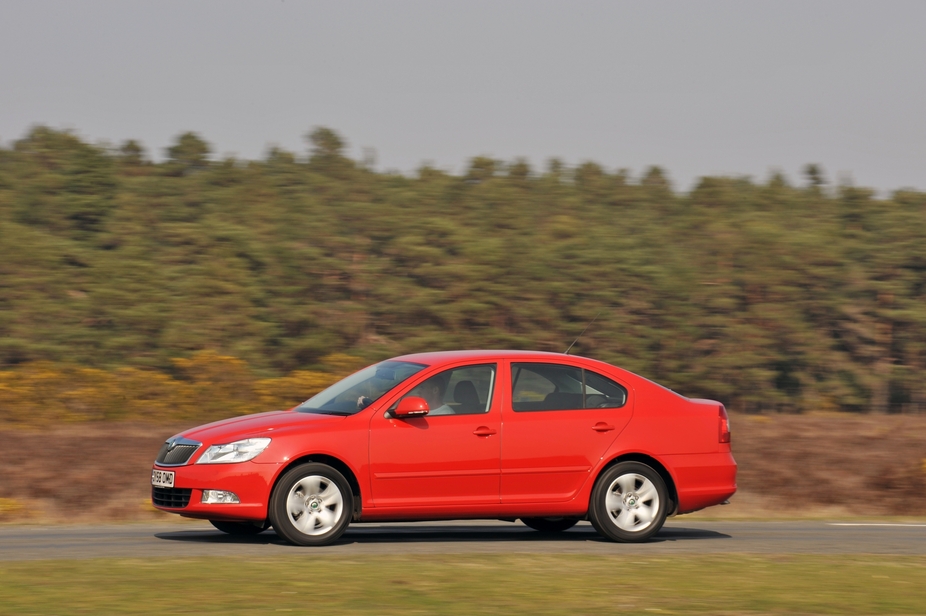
[[162, 479]]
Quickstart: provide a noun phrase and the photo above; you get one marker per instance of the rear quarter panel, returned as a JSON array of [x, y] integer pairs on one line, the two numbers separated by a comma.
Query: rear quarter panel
[[683, 436]]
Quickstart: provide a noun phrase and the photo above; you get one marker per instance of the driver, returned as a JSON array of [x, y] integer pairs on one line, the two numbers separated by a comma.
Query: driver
[[433, 391]]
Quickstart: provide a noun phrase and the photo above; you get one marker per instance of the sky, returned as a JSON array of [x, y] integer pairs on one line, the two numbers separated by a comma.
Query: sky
[[697, 87]]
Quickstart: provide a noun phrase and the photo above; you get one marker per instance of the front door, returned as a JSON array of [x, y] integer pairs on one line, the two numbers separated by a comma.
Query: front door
[[450, 456]]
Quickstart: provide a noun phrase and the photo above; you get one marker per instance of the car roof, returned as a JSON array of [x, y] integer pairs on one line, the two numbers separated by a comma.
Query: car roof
[[440, 357]]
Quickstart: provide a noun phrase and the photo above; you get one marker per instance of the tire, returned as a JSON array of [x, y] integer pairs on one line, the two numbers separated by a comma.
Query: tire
[[311, 505], [629, 502], [550, 525], [240, 529]]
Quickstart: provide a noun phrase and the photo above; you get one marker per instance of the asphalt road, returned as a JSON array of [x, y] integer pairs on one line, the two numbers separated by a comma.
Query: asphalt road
[[193, 538]]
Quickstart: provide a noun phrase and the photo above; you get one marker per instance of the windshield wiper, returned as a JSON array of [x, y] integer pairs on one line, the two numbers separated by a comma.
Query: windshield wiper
[[326, 412]]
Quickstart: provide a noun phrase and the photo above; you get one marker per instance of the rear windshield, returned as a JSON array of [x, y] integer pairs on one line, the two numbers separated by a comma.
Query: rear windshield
[[361, 389]]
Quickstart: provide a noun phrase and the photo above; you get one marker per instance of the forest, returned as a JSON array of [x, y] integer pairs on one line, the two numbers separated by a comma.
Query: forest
[[202, 287]]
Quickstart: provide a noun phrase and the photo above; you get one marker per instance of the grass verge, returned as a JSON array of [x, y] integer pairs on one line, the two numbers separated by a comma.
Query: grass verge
[[469, 584]]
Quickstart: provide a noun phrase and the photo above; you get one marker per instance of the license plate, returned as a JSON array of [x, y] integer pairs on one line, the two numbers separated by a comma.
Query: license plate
[[162, 479]]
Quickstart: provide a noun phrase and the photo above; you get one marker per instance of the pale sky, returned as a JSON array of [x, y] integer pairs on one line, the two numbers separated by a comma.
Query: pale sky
[[699, 88]]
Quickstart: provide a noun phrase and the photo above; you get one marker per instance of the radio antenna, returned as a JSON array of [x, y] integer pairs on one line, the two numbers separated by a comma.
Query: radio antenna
[[583, 331]]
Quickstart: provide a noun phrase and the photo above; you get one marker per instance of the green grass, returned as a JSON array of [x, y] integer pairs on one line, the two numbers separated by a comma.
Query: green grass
[[320, 583]]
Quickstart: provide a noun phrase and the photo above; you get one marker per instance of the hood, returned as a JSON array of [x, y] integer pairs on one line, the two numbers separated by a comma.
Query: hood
[[259, 424]]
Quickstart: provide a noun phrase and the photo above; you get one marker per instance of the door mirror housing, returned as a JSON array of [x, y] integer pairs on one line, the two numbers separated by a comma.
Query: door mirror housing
[[412, 406]]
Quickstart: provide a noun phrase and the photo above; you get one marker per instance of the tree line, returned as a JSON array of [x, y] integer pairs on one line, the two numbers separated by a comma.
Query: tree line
[[768, 296]]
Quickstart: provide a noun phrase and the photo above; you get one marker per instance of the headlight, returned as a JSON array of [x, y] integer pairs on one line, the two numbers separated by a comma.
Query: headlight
[[239, 451]]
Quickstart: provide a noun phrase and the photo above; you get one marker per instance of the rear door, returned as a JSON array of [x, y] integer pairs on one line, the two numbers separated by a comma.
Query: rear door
[[558, 422]]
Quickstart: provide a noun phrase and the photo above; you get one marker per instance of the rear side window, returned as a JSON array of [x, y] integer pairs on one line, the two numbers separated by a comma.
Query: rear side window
[[557, 387]]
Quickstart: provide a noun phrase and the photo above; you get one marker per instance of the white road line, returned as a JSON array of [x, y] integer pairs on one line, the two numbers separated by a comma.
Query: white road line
[[873, 524]]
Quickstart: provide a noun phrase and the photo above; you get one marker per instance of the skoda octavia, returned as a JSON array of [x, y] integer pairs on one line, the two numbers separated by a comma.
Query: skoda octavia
[[548, 438]]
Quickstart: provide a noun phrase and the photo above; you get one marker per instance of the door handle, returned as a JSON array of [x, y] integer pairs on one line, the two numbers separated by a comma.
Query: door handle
[[602, 427], [483, 431]]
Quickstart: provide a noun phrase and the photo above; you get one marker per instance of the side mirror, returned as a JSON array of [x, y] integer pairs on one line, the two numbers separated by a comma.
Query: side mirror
[[411, 406]]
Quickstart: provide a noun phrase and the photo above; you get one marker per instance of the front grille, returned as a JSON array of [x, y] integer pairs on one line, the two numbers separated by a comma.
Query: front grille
[[176, 498], [177, 451]]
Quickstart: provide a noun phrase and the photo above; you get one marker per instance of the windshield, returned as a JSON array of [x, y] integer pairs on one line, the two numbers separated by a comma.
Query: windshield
[[360, 390]]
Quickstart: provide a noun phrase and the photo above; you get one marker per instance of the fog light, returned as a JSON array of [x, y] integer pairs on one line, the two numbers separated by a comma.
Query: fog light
[[217, 497]]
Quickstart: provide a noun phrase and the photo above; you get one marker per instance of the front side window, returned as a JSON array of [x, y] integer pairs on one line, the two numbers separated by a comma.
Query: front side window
[[458, 391], [361, 389], [557, 387]]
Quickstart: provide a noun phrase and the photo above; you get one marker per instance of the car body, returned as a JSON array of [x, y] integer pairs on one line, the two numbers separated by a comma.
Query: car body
[[545, 437]]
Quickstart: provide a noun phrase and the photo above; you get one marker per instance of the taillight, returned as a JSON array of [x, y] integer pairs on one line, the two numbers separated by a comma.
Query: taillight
[[724, 430]]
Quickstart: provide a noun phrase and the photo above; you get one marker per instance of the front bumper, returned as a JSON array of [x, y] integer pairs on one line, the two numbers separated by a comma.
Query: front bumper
[[251, 482]]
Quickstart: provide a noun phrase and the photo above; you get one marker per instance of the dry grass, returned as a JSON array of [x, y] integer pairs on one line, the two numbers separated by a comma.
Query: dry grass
[[834, 463], [80, 472], [790, 466]]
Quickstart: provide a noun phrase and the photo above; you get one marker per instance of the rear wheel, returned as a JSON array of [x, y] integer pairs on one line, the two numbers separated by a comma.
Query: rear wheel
[[629, 502], [240, 528], [550, 525], [311, 505]]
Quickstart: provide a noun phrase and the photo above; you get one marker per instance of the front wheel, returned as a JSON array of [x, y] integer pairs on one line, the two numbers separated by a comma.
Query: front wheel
[[240, 529], [550, 525], [629, 502], [311, 505]]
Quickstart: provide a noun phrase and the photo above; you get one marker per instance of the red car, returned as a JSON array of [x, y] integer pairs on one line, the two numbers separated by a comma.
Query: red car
[[547, 438]]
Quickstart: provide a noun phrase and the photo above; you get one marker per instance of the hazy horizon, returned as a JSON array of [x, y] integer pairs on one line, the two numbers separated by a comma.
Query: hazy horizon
[[708, 88]]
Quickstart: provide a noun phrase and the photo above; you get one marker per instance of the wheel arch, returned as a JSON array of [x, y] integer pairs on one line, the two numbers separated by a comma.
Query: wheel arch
[[335, 463], [656, 465]]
